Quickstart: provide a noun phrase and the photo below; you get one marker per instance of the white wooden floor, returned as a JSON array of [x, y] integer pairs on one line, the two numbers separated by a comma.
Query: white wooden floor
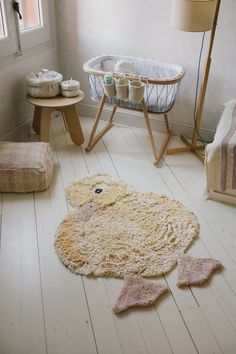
[[46, 309]]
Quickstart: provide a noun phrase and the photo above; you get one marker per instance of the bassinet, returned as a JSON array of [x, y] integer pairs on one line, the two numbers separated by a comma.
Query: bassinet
[[161, 80]]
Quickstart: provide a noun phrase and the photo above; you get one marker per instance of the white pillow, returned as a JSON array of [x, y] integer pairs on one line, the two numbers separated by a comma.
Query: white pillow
[[124, 67]]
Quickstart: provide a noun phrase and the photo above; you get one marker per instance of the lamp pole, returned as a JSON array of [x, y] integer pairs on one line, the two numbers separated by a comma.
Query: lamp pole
[[192, 146], [205, 79]]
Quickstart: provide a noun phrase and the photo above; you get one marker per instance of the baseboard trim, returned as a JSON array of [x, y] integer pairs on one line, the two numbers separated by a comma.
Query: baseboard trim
[[122, 117], [126, 117], [19, 132]]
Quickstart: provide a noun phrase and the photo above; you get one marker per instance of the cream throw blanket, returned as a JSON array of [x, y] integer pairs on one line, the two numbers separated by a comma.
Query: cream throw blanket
[[221, 155]]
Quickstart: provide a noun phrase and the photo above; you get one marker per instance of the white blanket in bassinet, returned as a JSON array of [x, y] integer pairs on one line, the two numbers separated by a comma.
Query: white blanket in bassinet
[[220, 158]]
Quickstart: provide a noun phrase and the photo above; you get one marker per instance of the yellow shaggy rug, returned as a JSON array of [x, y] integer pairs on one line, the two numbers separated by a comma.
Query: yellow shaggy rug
[[116, 231]]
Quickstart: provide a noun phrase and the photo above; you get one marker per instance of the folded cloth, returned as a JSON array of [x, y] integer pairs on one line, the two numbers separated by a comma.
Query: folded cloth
[[220, 160]]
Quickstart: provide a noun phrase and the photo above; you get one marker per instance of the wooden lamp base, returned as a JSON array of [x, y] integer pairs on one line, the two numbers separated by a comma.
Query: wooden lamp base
[[192, 146], [197, 150]]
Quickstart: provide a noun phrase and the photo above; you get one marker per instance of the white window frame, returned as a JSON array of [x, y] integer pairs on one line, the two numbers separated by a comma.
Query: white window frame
[[3, 17], [38, 34], [29, 38], [8, 43]]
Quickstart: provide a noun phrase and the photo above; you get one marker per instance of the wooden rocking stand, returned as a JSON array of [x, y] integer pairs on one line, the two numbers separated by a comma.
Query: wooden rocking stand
[[94, 138]]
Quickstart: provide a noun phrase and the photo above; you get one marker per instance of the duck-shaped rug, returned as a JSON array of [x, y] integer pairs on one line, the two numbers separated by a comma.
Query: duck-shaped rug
[[116, 231]]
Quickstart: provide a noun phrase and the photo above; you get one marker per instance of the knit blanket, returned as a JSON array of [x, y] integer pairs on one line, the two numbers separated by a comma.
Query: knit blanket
[[220, 158]]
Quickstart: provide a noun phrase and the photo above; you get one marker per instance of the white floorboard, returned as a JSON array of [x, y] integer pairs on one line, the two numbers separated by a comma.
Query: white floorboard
[[45, 309], [21, 305]]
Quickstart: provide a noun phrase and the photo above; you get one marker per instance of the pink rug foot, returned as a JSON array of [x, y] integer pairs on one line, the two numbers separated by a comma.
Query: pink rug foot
[[195, 271], [138, 292]]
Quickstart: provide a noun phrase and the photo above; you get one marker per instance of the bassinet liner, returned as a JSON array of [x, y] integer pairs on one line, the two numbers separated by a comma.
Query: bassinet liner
[[162, 81]]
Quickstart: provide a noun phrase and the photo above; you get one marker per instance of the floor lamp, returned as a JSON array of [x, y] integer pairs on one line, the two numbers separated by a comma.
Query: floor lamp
[[196, 16]]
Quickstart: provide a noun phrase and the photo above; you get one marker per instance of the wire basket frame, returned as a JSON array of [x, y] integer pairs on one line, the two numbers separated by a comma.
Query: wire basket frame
[[165, 96], [162, 81]]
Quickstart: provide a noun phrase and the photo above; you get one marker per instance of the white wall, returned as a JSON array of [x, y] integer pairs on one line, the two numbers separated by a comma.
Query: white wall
[[141, 28], [14, 110]]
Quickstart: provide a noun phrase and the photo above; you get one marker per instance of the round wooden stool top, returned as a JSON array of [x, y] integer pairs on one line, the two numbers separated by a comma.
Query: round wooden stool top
[[44, 108], [55, 102]]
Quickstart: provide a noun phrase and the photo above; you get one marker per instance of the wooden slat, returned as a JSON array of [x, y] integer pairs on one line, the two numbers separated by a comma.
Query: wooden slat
[[67, 316], [208, 246], [225, 238], [200, 331], [105, 331], [131, 168], [21, 307], [134, 342], [140, 339], [213, 306], [47, 309]]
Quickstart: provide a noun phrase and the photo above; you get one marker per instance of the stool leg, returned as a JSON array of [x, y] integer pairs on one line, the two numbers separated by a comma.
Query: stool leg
[[73, 124], [36, 120], [64, 121], [44, 134]]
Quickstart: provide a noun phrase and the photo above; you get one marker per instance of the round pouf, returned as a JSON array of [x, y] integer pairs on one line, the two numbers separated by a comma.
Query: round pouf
[[25, 167], [116, 231]]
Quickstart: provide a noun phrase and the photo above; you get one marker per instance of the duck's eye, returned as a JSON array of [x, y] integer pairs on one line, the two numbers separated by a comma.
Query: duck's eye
[[98, 190]]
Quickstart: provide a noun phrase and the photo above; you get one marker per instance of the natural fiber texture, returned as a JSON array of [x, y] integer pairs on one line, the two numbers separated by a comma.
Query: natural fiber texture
[[195, 271], [117, 231], [138, 292], [25, 167]]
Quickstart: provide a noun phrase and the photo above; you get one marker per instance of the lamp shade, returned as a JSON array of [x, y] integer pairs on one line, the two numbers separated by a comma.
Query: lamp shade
[[193, 15]]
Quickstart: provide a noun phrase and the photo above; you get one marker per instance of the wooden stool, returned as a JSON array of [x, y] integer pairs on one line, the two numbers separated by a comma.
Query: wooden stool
[[44, 107]]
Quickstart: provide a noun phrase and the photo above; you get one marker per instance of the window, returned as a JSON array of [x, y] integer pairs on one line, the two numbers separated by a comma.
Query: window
[[3, 29], [24, 29], [31, 14], [8, 41]]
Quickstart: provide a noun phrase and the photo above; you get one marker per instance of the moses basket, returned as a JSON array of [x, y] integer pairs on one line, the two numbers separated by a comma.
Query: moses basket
[[162, 80]]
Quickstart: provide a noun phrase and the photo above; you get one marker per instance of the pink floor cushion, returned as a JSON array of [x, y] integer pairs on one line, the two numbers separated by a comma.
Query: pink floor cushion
[[25, 167]]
